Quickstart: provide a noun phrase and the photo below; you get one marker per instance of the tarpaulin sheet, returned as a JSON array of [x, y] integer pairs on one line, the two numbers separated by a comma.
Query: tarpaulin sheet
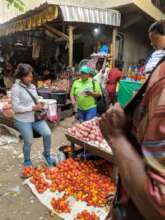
[[127, 90], [76, 206]]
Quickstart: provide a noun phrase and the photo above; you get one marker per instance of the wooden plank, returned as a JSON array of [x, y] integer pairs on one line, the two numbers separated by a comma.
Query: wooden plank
[[75, 37], [56, 32], [60, 39]]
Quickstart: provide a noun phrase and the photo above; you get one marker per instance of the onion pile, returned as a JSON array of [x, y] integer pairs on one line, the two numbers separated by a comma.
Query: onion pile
[[90, 132]]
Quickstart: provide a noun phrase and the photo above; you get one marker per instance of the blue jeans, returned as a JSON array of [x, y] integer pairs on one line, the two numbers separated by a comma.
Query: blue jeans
[[26, 130], [87, 115]]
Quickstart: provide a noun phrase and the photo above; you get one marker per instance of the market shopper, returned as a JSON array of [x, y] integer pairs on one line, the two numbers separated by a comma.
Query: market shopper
[[84, 93], [137, 137], [25, 109], [114, 76], [101, 76]]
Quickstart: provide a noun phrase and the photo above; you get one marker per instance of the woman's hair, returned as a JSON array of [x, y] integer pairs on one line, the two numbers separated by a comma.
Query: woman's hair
[[23, 70], [158, 27]]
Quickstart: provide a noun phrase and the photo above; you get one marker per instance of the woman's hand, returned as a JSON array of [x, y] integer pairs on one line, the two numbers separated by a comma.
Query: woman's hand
[[113, 122], [38, 107]]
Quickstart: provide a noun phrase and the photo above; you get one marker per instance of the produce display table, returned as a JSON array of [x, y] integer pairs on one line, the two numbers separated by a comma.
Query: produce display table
[[127, 89], [89, 147]]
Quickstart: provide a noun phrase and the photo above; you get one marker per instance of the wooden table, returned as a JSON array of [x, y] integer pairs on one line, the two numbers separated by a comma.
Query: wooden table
[[89, 147]]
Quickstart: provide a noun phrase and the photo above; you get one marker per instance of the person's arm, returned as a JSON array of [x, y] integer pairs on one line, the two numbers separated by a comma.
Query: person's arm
[[108, 76], [132, 167], [18, 107], [16, 104], [133, 175], [153, 147]]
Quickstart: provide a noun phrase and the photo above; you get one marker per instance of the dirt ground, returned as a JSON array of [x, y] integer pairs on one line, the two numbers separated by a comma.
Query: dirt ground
[[16, 200]]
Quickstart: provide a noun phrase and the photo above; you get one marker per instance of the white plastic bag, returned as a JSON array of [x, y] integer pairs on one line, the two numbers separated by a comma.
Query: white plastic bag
[[52, 110]]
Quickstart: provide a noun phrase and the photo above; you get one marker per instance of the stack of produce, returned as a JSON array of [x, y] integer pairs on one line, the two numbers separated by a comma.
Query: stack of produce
[[89, 131], [61, 204], [85, 215], [83, 180], [61, 85]]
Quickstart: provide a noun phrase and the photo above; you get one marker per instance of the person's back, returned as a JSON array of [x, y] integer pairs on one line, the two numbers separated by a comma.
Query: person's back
[[114, 76]]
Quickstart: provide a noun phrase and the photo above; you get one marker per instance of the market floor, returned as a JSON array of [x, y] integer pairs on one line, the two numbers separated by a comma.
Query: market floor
[[16, 200]]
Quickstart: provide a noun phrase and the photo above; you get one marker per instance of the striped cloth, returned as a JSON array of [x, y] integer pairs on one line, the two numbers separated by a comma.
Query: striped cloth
[[153, 60], [149, 127]]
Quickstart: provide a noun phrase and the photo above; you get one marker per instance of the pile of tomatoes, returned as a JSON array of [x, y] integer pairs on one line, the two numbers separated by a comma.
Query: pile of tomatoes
[[83, 180], [39, 181], [61, 205], [85, 215]]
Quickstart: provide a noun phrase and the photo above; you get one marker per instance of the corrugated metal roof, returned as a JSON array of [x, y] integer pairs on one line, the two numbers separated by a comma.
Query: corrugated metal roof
[[91, 15]]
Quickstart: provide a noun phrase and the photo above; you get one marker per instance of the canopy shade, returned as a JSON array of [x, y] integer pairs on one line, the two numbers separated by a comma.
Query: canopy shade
[[91, 15], [49, 12]]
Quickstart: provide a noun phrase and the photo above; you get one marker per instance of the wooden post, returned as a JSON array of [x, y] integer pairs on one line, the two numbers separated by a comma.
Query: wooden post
[[70, 33], [114, 33], [111, 56]]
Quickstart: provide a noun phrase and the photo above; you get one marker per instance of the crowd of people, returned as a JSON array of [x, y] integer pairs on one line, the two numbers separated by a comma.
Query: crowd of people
[[136, 133]]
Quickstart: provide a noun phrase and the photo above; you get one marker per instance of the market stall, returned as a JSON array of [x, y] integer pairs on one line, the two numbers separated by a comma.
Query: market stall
[[74, 189], [62, 23]]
